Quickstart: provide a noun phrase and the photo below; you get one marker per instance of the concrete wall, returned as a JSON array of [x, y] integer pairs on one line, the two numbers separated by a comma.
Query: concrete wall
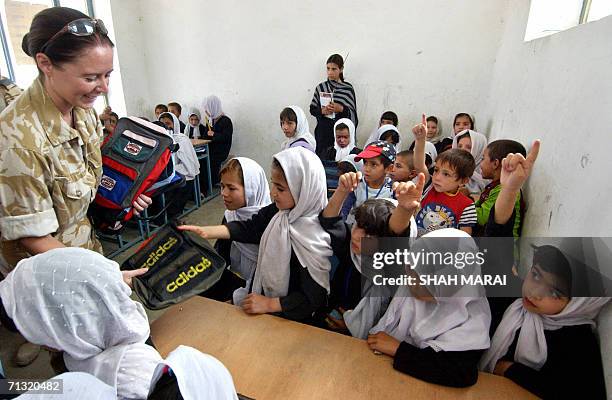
[[558, 89], [258, 57]]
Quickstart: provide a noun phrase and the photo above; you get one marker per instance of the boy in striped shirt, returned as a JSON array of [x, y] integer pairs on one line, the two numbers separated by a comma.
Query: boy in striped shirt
[[442, 205]]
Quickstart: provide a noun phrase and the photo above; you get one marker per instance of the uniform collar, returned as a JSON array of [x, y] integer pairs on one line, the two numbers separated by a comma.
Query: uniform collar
[[56, 129]]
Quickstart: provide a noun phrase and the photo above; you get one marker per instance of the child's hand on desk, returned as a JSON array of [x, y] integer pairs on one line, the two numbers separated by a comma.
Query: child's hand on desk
[[516, 168], [420, 130], [408, 194], [383, 343], [255, 303], [348, 182]]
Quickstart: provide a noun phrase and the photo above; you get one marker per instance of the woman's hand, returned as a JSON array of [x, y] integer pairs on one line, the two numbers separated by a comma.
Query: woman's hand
[[336, 107], [383, 343], [211, 133], [141, 203], [326, 110]]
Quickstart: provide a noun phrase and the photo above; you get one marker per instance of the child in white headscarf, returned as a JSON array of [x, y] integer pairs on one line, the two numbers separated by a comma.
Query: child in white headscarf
[[437, 333], [188, 374], [295, 127], [195, 129], [475, 143], [244, 189], [292, 274], [75, 300], [186, 164], [344, 145]]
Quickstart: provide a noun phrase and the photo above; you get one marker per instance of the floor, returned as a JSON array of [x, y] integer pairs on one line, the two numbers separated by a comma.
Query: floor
[[209, 213]]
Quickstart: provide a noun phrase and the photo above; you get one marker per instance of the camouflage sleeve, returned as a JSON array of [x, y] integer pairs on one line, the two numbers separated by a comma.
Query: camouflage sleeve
[[26, 206]]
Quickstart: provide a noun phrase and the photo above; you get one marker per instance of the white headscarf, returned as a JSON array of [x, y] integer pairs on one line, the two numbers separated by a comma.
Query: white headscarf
[[341, 152], [351, 160], [297, 229], [458, 319], [302, 130], [386, 128], [257, 195], [531, 347], [76, 385], [196, 128], [430, 149], [75, 300], [187, 163], [199, 376], [438, 136], [212, 105], [479, 143]]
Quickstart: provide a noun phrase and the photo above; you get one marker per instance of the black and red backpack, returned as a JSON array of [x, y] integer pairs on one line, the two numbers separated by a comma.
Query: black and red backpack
[[137, 158]]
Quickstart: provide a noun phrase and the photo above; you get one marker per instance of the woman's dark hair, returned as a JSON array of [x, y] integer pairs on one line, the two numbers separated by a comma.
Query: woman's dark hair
[[339, 61], [288, 115], [64, 48], [472, 127], [373, 217]]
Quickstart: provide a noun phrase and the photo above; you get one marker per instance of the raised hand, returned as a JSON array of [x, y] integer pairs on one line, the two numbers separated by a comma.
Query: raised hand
[[348, 182], [516, 168], [408, 194], [420, 130]]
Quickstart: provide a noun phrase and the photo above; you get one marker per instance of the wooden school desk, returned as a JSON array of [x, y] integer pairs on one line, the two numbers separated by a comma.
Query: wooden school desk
[[273, 358]]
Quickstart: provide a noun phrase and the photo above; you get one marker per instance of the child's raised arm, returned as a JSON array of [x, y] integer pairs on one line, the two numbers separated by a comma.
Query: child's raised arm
[[208, 232], [346, 184], [514, 172], [408, 197], [420, 133]]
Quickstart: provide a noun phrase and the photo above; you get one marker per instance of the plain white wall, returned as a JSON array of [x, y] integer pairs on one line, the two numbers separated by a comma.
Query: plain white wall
[[258, 57], [559, 89]]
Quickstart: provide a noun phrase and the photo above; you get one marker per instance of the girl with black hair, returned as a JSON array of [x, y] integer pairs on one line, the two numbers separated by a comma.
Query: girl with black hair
[[343, 104]]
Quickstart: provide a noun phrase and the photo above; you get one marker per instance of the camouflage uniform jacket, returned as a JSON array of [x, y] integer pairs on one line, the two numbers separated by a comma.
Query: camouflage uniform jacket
[[8, 92], [49, 173]]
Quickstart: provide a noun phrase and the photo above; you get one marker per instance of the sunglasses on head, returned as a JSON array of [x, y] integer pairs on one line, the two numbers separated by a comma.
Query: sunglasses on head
[[79, 27]]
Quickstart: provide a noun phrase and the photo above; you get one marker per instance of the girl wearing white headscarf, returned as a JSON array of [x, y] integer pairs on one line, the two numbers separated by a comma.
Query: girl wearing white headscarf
[[437, 333], [292, 274], [243, 256], [479, 143], [391, 131], [545, 341], [189, 374], [301, 137], [195, 130], [186, 164], [220, 133], [336, 152], [353, 166], [75, 300]]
